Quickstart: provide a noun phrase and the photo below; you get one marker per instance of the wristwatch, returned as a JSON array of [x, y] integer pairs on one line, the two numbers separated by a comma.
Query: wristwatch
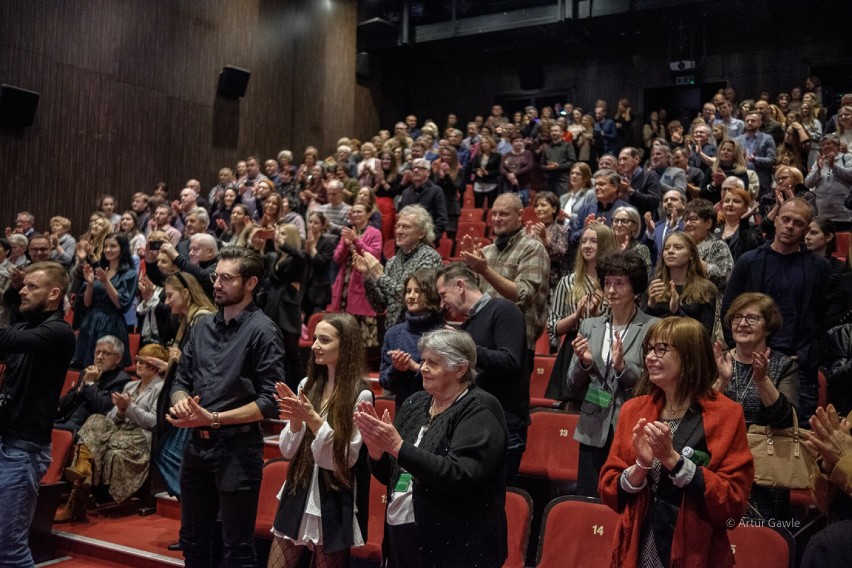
[[215, 424]]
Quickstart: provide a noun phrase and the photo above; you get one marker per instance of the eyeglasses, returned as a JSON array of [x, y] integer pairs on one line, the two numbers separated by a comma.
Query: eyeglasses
[[419, 168], [622, 221], [692, 219], [143, 363], [750, 319], [659, 349], [225, 278]]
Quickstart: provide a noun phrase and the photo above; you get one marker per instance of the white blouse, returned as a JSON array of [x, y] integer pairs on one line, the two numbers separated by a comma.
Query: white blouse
[[322, 448]]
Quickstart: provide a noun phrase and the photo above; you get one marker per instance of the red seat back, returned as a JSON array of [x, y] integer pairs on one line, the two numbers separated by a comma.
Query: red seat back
[[539, 379], [472, 228], [577, 531], [388, 404], [389, 248], [445, 248], [761, 547], [519, 510], [551, 449], [61, 442], [372, 549], [274, 476], [471, 214]]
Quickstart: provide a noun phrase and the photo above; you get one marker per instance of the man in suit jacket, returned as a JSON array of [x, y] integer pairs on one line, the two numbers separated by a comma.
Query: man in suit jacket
[[640, 188], [767, 125], [759, 151], [674, 203]]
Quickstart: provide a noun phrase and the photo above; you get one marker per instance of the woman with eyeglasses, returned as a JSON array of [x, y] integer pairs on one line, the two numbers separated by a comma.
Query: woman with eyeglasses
[[699, 218], [763, 381], [607, 361], [114, 449], [680, 470], [627, 226]]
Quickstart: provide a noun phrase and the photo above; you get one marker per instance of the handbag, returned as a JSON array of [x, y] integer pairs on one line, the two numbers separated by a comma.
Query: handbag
[[780, 460]]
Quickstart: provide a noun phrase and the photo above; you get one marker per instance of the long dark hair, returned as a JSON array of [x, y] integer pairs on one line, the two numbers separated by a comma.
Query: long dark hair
[[125, 258], [349, 375]]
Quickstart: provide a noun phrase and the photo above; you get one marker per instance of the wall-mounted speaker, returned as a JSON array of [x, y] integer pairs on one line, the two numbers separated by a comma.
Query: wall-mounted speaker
[[17, 106], [233, 81], [362, 65]]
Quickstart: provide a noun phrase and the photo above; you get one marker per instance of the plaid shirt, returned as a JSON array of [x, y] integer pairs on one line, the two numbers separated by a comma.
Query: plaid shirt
[[526, 263]]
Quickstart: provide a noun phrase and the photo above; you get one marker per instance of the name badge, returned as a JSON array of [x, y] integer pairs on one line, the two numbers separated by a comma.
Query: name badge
[[403, 483], [598, 396]]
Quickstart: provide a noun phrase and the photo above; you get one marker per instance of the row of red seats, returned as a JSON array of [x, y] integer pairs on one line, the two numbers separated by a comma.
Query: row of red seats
[[576, 531]]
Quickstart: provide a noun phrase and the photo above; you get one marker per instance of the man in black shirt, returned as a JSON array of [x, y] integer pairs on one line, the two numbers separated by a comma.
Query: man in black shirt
[[224, 387], [37, 351]]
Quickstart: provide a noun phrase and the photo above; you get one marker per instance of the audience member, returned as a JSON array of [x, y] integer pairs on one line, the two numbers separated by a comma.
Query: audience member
[[608, 361], [699, 219], [676, 409]]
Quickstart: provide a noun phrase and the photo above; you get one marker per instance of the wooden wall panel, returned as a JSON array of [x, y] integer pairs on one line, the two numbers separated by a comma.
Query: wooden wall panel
[[128, 93]]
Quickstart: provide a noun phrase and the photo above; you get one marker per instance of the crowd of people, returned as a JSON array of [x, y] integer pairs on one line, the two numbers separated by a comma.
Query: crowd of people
[[686, 275]]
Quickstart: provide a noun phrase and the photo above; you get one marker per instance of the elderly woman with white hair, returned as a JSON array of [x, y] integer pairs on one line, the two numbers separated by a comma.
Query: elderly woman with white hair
[[443, 463], [415, 234], [627, 226]]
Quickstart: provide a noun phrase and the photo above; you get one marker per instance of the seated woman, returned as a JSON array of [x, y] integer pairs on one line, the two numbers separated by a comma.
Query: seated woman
[[323, 504], [764, 382], [627, 226], [607, 361], [681, 287], [443, 463], [736, 228], [400, 368], [115, 449], [680, 467]]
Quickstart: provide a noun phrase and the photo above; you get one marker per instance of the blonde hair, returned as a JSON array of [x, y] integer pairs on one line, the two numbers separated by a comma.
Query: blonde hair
[[606, 245]]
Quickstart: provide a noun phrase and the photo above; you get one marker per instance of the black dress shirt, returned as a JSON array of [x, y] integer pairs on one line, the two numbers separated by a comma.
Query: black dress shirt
[[233, 364]]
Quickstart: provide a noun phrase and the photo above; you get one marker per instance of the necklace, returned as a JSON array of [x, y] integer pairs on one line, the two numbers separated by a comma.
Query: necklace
[[740, 394], [433, 415]]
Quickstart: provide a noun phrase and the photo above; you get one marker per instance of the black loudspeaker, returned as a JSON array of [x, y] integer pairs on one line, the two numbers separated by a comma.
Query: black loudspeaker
[[233, 81], [362, 65], [532, 78], [17, 106]]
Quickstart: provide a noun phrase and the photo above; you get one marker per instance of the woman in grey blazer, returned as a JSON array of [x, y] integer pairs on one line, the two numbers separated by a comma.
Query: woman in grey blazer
[[608, 361]]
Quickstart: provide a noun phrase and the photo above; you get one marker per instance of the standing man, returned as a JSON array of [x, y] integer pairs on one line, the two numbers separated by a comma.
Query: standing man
[[795, 278], [557, 158], [639, 187], [422, 191], [497, 328], [37, 351], [225, 385], [759, 151], [515, 267]]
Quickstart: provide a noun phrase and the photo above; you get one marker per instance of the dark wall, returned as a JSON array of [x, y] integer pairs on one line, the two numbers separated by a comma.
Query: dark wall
[[128, 93]]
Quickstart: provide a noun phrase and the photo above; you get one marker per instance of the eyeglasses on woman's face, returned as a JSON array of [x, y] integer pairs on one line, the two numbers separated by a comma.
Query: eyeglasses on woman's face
[[659, 349], [750, 319]]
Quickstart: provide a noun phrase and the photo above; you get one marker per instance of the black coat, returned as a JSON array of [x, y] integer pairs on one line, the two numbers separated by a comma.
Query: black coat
[[459, 491]]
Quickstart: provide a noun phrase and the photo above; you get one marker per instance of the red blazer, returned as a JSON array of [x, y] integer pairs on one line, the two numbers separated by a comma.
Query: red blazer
[[700, 537]]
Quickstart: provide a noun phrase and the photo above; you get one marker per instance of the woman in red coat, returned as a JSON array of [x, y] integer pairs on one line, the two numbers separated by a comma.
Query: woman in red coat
[[679, 470]]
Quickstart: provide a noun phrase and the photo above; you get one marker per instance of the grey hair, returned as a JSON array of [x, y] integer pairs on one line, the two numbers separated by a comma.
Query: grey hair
[[735, 181], [285, 154], [831, 137], [423, 219], [205, 240], [610, 175], [201, 214], [116, 343], [344, 148], [421, 163], [455, 348], [18, 239], [633, 213]]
